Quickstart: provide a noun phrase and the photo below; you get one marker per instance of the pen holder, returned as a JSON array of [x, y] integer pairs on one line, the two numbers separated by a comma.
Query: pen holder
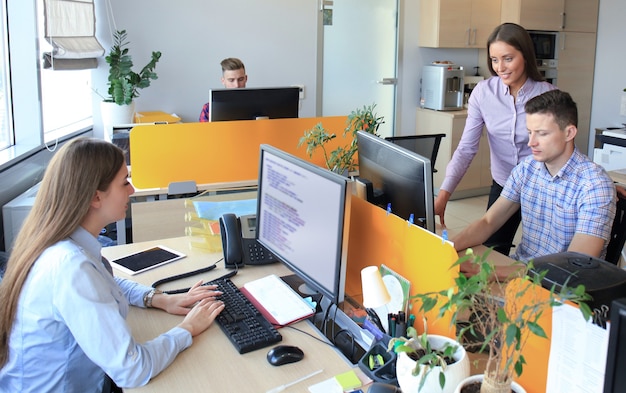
[[379, 364]]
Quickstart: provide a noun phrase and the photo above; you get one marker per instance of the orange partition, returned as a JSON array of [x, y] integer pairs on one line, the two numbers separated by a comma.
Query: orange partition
[[415, 253], [218, 152]]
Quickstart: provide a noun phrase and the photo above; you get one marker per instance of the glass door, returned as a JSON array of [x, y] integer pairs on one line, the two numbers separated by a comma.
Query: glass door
[[359, 58]]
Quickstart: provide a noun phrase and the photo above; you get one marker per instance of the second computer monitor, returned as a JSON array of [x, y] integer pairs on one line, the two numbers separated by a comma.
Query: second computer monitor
[[400, 178], [254, 103]]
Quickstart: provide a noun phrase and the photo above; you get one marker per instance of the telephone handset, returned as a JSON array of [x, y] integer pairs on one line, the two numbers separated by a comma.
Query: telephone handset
[[239, 242]]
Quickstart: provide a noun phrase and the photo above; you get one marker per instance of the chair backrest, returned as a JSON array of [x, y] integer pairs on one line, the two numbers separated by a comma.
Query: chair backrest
[[424, 145], [618, 233]]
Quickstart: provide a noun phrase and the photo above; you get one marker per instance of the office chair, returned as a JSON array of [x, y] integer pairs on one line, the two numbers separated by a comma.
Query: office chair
[[618, 233], [424, 145]]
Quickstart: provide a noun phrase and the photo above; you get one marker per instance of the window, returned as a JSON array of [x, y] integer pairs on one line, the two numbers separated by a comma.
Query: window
[[65, 95], [6, 124]]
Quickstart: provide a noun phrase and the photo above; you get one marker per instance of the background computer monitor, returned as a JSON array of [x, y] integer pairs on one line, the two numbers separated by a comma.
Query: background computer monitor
[[399, 177], [254, 103], [301, 218], [615, 372]]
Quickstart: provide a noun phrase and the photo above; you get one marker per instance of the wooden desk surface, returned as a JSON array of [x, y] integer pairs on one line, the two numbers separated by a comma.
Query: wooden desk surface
[[212, 362]]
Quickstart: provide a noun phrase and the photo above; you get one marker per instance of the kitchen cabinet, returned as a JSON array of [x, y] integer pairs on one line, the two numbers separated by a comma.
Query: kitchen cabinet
[[457, 23], [477, 179], [575, 76], [552, 15]]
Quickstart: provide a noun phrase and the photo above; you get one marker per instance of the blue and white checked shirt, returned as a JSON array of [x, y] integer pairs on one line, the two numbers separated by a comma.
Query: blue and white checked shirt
[[578, 199]]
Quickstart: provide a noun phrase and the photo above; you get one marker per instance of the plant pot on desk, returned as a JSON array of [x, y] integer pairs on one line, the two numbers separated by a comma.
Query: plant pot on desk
[[114, 114], [476, 381], [454, 373]]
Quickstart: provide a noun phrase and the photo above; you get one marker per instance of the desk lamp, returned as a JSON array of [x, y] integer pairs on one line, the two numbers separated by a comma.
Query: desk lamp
[[375, 293]]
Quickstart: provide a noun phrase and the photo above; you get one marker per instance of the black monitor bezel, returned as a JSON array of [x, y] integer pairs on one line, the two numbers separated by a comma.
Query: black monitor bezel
[[369, 166], [254, 103], [335, 294]]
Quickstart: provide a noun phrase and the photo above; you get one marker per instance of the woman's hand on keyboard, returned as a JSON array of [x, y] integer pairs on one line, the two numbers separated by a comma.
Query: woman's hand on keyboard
[[202, 316], [181, 303]]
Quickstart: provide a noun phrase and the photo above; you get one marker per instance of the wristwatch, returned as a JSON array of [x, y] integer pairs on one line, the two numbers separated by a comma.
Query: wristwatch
[[147, 298]]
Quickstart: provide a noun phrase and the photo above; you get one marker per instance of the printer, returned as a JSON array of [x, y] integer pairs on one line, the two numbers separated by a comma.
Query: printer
[[612, 155], [604, 281]]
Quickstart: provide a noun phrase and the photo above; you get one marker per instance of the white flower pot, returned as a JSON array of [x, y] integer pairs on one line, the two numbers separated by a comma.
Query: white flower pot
[[114, 114], [517, 388], [454, 373]]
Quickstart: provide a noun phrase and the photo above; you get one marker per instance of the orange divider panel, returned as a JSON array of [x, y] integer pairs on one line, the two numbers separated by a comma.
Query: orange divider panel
[[415, 253], [219, 152]]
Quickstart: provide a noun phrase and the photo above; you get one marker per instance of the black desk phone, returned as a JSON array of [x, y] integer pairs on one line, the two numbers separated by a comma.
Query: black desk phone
[[239, 242]]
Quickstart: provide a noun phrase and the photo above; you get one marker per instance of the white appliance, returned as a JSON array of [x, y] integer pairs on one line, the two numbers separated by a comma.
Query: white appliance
[[14, 213], [442, 87], [612, 156]]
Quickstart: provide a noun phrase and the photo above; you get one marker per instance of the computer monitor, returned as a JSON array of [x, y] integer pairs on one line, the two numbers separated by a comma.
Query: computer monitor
[[302, 218], [254, 103], [400, 178], [615, 371]]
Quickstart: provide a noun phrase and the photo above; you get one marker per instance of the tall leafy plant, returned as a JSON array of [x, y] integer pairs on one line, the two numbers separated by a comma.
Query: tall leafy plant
[[341, 159], [124, 83]]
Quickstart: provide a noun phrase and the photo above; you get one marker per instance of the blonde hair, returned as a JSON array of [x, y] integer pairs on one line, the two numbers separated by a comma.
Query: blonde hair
[[75, 173]]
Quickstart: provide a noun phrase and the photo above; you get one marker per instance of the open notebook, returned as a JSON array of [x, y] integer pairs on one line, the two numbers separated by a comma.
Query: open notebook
[[277, 301]]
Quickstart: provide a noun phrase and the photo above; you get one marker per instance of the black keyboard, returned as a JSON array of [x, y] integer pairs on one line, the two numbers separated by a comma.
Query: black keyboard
[[241, 321]]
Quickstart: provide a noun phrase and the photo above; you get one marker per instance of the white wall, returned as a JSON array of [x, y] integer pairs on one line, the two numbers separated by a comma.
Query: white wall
[[276, 39], [610, 71]]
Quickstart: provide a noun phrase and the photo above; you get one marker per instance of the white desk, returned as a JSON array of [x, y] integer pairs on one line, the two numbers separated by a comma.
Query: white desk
[[212, 363]]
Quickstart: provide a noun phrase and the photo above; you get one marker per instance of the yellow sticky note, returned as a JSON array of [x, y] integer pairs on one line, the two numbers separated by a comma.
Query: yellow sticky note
[[348, 380]]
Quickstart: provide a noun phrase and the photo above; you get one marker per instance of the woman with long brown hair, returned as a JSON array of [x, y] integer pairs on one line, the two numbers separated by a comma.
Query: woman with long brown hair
[[62, 322]]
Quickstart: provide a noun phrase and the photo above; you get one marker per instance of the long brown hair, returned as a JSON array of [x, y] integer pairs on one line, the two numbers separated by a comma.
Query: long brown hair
[[76, 171], [516, 36]]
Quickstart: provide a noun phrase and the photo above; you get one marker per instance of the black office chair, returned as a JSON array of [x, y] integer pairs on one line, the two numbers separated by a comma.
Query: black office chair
[[424, 145], [618, 233]]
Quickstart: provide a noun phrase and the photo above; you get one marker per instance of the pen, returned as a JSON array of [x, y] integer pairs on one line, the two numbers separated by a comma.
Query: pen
[[411, 321], [444, 236], [389, 208], [411, 218]]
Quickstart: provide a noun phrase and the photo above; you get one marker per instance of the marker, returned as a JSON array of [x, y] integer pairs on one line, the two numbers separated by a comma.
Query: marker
[[389, 208], [411, 219], [411, 321], [444, 236]]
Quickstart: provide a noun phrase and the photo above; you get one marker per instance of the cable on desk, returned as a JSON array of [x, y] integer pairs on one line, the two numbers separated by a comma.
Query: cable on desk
[[188, 274]]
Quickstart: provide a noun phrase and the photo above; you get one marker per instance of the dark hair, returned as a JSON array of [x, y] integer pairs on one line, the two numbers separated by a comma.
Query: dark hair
[[232, 64], [557, 103], [516, 36]]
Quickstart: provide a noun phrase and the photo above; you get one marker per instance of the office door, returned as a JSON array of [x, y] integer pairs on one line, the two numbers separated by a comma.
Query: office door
[[359, 58]]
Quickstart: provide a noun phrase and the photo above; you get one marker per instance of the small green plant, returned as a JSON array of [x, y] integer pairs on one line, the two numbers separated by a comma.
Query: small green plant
[[505, 326], [341, 159], [418, 348], [124, 83]]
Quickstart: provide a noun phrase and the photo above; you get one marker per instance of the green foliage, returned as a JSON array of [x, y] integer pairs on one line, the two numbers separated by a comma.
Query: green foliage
[[342, 158], [505, 327], [124, 83]]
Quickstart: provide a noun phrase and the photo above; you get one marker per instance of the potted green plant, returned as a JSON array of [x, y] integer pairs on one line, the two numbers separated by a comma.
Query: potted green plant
[[428, 362], [503, 326], [124, 83], [341, 160]]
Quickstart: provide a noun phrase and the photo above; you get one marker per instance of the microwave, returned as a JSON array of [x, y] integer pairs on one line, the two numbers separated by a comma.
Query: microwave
[[546, 45]]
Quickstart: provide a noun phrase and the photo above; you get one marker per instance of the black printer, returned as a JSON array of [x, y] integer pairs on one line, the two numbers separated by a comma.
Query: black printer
[[604, 281]]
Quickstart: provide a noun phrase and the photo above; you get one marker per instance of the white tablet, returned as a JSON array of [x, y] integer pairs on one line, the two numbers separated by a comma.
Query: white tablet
[[146, 259]]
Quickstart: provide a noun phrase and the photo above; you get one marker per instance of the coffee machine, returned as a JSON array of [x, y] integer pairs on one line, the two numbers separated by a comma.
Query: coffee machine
[[442, 87]]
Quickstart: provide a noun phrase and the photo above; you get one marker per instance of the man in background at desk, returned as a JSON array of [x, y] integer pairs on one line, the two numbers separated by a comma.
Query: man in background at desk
[[567, 201], [233, 76]]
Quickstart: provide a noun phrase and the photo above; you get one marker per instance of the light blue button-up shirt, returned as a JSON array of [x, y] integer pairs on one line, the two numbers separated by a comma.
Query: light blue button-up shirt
[[70, 327]]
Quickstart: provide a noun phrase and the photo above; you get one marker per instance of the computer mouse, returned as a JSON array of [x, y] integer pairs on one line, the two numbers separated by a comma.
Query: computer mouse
[[284, 354]]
